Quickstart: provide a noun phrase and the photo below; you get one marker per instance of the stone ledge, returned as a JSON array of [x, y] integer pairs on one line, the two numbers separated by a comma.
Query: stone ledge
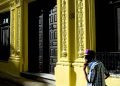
[[114, 75]]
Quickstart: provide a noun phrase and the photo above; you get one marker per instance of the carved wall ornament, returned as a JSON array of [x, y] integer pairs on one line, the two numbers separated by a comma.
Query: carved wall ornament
[[64, 28], [12, 31], [17, 1], [12, 4], [4, 3], [18, 28], [80, 26]]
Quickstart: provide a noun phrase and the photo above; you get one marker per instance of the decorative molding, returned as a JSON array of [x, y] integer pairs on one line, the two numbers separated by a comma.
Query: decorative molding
[[12, 5], [12, 19], [3, 2], [18, 2], [64, 63], [15, 59], [64, 27], [4, 5], [30, 1], [15, 6], [18, 32], [80, 21]]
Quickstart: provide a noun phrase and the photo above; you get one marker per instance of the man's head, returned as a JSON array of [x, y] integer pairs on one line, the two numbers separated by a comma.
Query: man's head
[[89, 55]]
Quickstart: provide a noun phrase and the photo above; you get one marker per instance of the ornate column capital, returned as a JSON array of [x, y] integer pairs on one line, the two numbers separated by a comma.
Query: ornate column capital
[[12, 5], [18, 2]]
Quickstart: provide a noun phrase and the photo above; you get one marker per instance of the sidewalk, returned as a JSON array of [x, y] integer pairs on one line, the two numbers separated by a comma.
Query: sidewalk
[[11, 80]]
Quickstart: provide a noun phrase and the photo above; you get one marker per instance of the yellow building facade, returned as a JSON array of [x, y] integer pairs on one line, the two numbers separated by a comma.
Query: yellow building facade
[[76, 32], [18, 36]]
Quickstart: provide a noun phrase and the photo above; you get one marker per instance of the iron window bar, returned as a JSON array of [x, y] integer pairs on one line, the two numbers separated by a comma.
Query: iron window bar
[[111, 61]]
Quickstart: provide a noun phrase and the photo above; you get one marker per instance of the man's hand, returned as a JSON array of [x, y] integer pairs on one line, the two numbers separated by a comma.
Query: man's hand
[[84, 69], [85, 66], [107, 75]]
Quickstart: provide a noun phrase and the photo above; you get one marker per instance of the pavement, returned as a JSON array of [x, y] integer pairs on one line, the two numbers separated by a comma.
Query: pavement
[[12, 80]]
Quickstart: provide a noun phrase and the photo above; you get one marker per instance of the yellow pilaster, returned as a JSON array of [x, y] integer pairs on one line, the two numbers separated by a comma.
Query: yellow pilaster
[[25, 34], [18, 33], [21, 33], [66, 48], [90, 29], [12, 29], [15, 28], [84, 36]]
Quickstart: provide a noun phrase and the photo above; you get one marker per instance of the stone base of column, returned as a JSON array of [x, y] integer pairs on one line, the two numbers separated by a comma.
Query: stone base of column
[[63, 74]]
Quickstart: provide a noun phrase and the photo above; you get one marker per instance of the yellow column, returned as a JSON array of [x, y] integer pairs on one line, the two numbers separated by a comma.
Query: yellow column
[[80, 41], [15, 60], [24, 34], [12, 29], [16, 28], [90, 29], [65, 35], [19, 34], [84, 36]]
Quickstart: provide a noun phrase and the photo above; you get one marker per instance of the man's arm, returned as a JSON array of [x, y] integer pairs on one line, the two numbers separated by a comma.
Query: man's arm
[[85, 73], [107, 74]]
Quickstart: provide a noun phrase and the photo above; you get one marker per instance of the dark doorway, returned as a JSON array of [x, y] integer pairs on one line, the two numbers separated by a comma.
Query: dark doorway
[[107, 14], [5, 36], [42, 36], [106, 31]]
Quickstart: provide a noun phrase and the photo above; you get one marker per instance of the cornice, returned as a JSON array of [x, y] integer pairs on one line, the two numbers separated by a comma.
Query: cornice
[[29, 1], [3, 2], [4, 5]]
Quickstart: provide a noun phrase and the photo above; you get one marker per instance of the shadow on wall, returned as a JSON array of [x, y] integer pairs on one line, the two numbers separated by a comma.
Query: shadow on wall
[[73, 77]]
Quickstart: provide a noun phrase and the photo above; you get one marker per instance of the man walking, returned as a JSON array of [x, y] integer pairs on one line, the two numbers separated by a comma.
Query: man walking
[[97, 73]]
